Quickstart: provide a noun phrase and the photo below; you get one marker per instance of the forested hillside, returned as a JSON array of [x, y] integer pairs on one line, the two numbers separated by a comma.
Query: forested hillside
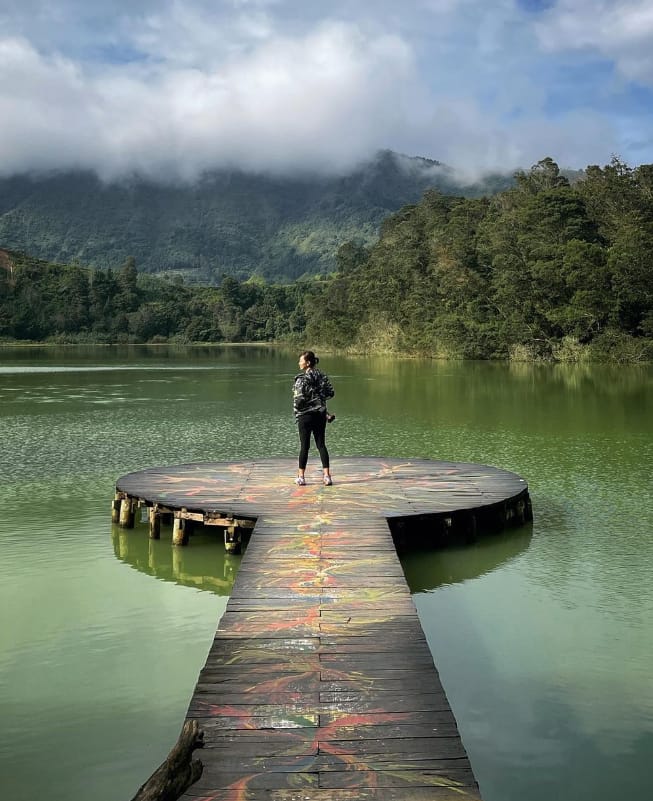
[[229, 223], [41, 301], [544, 270]]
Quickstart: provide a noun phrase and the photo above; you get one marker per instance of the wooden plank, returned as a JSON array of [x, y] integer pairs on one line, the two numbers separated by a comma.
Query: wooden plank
[[380, 673], [440, 724], [403, 700], [381, 718], [405, 778], [411, 748], [212, 780], [403, 680], [297, 720], [216, 734], [223, 750]]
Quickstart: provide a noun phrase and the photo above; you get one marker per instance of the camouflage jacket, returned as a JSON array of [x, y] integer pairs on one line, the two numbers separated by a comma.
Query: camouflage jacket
[[310, 392]]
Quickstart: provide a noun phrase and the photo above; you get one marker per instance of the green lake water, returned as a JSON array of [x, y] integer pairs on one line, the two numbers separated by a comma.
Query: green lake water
[[543, 635]]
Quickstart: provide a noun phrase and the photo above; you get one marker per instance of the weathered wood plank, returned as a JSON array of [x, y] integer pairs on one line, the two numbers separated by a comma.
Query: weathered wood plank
[[273, 721], [410, 748], [406, 778]]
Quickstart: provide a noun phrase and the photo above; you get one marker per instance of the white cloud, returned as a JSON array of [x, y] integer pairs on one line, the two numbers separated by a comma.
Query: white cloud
[[474, 142], [171, 87], [182, 33], [620, 30], [38, 102], [326, 100]]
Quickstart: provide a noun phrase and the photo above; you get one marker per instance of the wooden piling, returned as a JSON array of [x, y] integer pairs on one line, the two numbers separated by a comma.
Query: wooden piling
[[179, 531], [154, 522], [115, 507], [126, 519], [232, 539]]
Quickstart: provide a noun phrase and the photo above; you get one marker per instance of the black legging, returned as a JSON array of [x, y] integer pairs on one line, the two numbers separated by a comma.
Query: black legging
[[312, 423]]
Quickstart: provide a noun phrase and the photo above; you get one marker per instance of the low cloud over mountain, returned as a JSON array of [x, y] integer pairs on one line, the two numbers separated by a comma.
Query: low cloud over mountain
[[172, 90]]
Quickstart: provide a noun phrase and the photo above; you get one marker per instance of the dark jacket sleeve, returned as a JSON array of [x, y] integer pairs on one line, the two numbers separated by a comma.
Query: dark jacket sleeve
[[298, 397], [326, 390]]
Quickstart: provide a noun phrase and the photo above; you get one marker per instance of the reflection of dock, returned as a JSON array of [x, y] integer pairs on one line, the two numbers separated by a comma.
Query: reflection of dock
[[319, 683], [205, 566]]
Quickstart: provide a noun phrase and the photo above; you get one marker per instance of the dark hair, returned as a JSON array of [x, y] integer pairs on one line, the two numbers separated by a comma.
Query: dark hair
[[310, 357]]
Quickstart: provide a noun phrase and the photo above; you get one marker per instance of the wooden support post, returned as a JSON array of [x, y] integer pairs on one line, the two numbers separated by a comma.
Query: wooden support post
[[232, 539], [126, 513], [179, 532], [115, 507], [155, 523], [468, 524]]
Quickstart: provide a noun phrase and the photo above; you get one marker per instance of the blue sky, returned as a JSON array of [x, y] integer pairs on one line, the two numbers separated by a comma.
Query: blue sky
[[176, 87]]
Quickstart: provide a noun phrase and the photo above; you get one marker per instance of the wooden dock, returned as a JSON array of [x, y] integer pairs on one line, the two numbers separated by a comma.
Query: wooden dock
[[319, 683]]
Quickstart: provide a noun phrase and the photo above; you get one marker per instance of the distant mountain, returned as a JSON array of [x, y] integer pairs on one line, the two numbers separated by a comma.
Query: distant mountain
[[229, 222]]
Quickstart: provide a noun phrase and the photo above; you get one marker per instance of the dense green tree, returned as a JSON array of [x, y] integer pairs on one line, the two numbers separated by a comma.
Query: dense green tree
[[73, 300], [102, 291], [588, 301], [630, 260], [127, 297], [544, 175], [610, 194]]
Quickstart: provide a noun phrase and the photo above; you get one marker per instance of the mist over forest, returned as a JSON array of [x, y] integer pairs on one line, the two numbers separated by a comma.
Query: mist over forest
[[229, 222]]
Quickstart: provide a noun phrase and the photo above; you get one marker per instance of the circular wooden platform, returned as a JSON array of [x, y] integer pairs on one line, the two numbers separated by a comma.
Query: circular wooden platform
[[363, 486]]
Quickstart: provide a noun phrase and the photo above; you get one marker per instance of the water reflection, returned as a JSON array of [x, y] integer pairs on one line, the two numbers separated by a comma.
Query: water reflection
[[604, 379], [152, 354], [428, 570], [565, 749], [203, 565]]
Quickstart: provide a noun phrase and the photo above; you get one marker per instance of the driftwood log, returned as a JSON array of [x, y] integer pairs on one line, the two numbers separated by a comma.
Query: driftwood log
[[174, 776]]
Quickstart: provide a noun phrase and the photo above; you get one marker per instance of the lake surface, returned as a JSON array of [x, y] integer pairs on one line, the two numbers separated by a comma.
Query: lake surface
[[542, 636]]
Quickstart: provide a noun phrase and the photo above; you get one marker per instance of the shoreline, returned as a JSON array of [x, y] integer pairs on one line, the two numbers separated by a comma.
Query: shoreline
[[583, 360]]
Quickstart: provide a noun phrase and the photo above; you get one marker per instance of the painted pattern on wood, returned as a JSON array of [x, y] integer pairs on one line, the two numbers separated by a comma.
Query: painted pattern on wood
[[319, 683]]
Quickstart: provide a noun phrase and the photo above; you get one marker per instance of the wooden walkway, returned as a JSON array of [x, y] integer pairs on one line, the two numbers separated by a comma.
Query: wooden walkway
[[319, 683]]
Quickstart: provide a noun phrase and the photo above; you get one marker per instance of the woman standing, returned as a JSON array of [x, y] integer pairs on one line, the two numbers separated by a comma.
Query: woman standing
[[310, 392]]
